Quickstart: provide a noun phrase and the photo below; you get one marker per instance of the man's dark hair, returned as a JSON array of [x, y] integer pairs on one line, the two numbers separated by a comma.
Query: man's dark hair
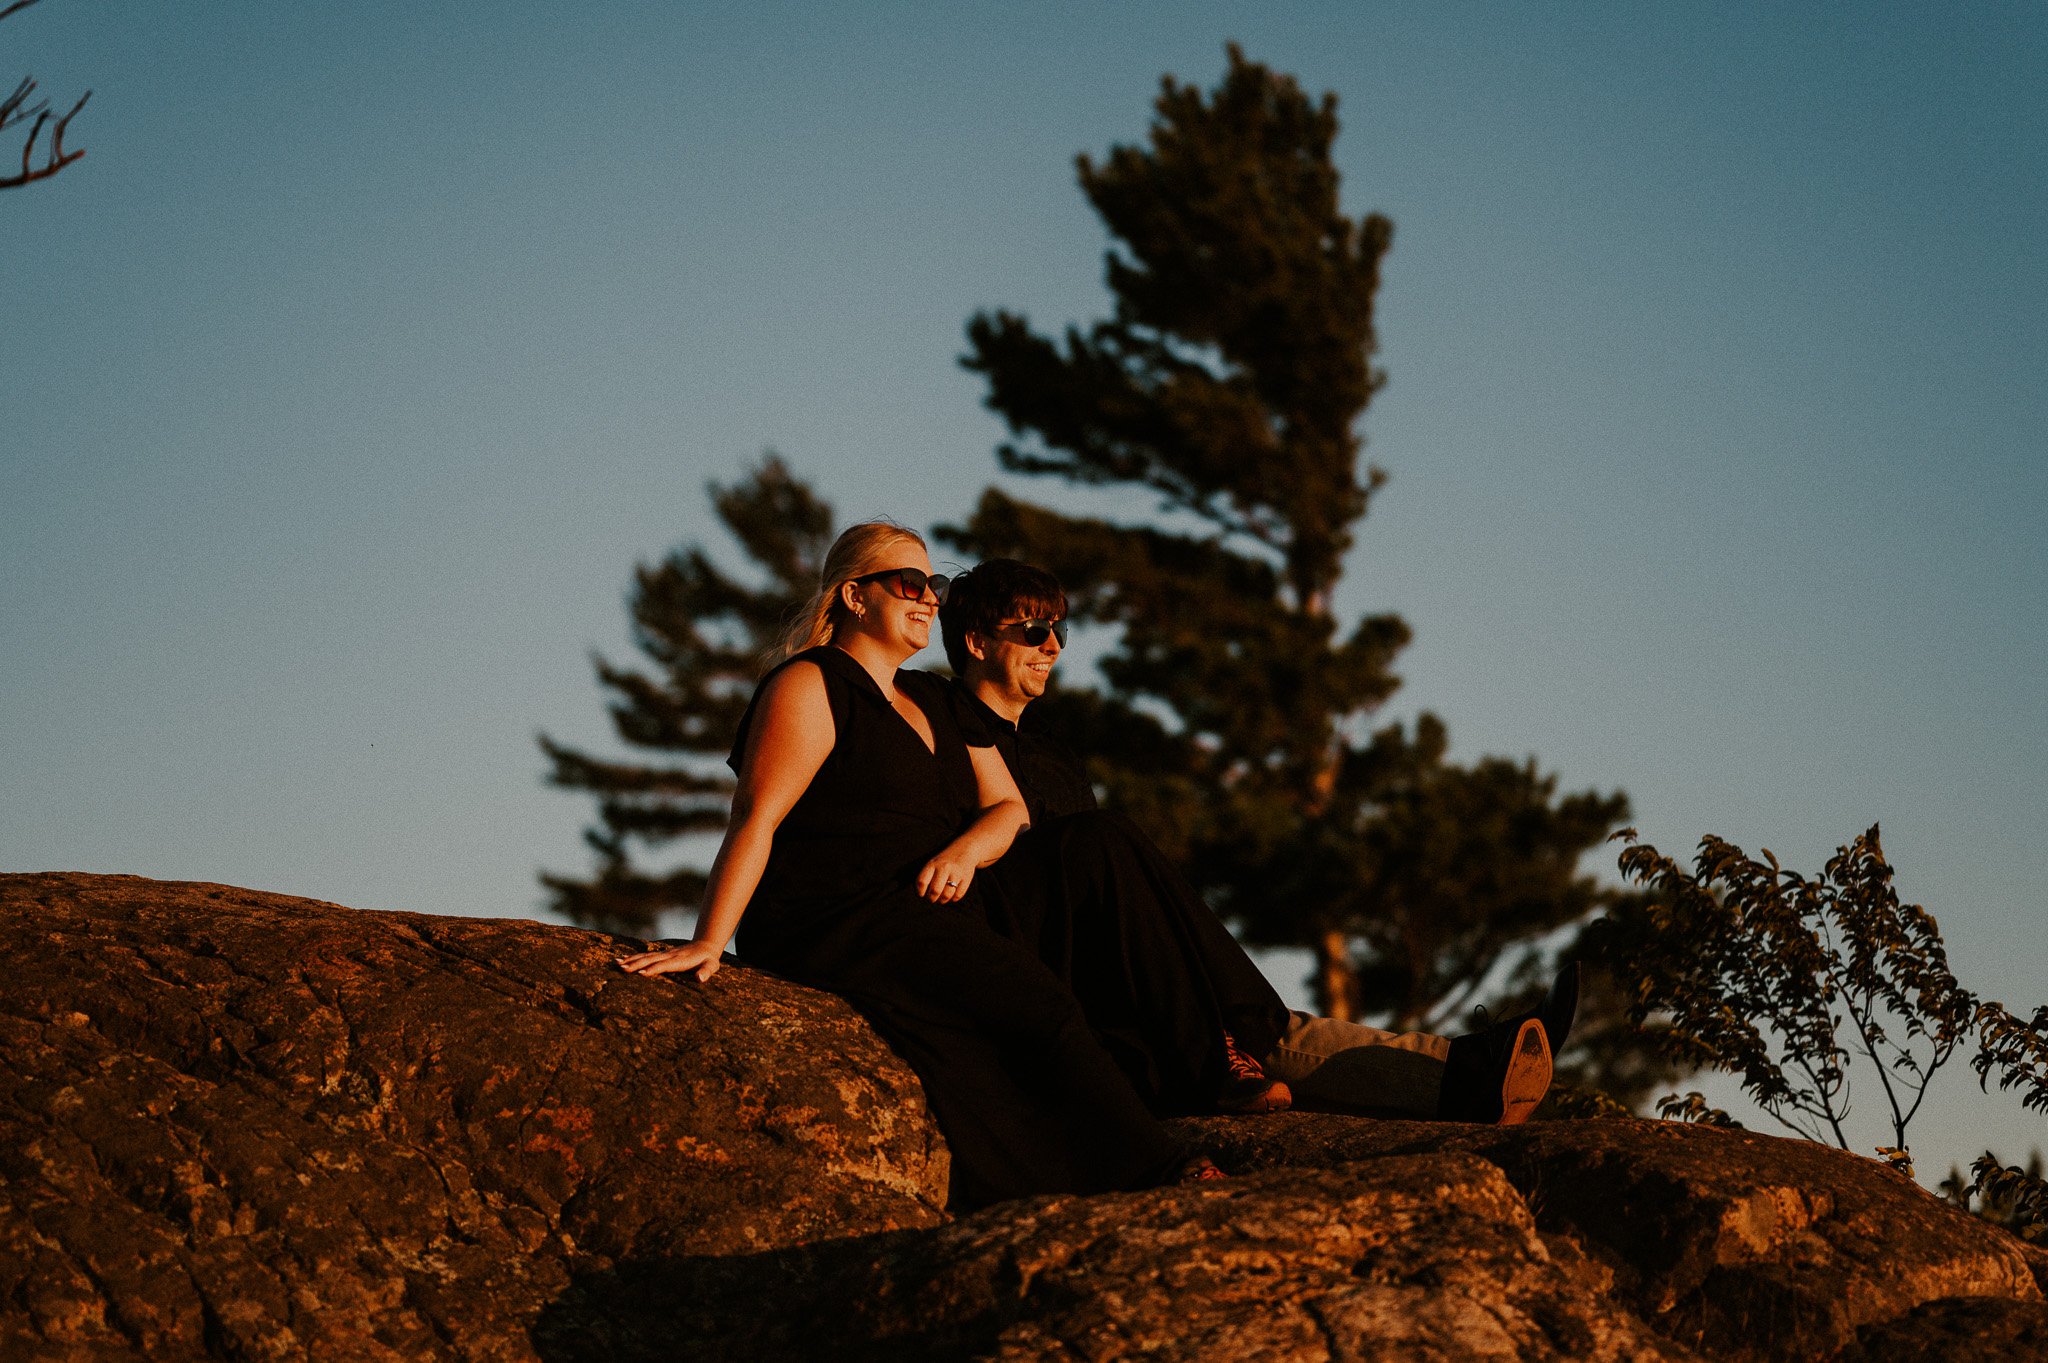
[[984, 596]]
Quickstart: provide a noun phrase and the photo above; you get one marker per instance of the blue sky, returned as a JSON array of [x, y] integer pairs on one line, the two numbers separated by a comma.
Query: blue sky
[[370, 346]]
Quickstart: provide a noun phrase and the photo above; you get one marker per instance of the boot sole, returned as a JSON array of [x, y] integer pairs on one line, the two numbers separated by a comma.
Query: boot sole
[[1528, 1074]]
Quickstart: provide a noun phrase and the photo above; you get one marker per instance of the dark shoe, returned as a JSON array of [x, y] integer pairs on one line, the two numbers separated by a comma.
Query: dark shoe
[[1560, 1006], [1247, 1090], [1496, 1076]]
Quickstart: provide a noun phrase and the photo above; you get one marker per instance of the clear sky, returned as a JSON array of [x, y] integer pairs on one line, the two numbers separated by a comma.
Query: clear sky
[[370, 346]]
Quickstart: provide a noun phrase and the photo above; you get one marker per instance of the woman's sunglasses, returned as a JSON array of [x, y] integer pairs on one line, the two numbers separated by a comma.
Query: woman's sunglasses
[[1035, 632], [910, 584]]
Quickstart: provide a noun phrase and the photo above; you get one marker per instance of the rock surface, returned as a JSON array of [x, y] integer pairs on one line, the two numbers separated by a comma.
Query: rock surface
[[1429, 1257], [1744, 1246], [239, 1125]]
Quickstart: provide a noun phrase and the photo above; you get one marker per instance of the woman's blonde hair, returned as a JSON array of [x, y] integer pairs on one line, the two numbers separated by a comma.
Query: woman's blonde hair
[[859, 550]]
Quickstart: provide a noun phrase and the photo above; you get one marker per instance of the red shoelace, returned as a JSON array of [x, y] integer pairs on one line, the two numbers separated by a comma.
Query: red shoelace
[[1241, 1066]]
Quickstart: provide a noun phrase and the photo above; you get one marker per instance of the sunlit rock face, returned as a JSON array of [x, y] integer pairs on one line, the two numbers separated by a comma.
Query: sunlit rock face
[[1422, 1257], [1738, 1245], [238, 1125]]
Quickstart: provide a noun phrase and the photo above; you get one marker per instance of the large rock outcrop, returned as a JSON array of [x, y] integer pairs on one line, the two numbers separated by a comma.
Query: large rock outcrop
[[247, 1125], [238, 1125], [1742, 1245]]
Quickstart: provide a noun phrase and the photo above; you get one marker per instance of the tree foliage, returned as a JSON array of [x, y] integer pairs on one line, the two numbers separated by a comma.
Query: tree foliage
[[1229, 381], [1778, 978], [707, 636], [2016, 1051], [1784, 981], [21, 106], [2010, 1195]]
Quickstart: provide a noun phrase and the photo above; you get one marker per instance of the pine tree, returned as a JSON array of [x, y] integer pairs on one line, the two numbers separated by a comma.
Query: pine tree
[[708, 637], [1230, 380]]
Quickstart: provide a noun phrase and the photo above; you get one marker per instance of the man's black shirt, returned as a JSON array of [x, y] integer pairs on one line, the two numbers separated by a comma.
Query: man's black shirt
[[1051, 777]]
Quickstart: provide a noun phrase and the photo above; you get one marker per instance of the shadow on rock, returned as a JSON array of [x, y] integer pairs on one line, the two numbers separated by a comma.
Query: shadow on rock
[[1422, 1257]]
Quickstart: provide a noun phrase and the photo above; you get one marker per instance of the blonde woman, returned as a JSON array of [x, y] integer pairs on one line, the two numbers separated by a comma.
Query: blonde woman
[[860, 820]]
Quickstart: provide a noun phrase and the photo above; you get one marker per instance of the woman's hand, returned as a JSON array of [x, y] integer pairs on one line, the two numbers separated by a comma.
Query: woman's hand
[[945, 877], [701, 957]]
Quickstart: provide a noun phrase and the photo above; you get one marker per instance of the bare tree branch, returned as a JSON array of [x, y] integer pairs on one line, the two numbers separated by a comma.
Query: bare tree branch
[[16, 108]]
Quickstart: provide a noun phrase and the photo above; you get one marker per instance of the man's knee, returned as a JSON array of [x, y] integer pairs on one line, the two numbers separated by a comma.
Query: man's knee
[[1353, 1067]]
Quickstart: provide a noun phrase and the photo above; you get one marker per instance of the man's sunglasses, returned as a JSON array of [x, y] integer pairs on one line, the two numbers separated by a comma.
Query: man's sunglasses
[[1035, 632], [910, 584]]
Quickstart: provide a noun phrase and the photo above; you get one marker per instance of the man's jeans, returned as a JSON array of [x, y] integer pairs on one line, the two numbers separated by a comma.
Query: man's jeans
[[1350, 1067]]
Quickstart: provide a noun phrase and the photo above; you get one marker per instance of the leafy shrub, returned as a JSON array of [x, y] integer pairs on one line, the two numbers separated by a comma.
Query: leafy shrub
[[1781, 980], [1692, 1107], [2017, 1050], [2013, 1197]]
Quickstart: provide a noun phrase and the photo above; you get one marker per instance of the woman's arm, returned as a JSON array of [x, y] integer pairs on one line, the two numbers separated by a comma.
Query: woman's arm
[[792, 736], [946, 876]]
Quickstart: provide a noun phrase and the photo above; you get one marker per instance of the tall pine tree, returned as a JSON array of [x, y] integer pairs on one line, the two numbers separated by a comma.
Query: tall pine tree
[[1230, 380], [708, 637]]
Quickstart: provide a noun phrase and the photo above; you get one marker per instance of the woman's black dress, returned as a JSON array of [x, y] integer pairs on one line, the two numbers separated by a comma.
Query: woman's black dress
[[1028, 1099]]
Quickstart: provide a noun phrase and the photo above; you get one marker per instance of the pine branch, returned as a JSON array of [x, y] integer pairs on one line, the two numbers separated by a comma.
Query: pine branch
[[708, 633], [573, 770]]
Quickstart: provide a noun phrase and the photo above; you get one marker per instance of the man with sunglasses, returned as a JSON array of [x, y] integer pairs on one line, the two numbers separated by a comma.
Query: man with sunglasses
[[1005, 663], [1004, 627]]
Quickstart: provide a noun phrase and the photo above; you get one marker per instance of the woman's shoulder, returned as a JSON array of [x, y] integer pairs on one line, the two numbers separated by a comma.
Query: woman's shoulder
[[794, 686], [820, 657], [799, 671], [795, 662], [836, 663], [833, 668], [825, 671]]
